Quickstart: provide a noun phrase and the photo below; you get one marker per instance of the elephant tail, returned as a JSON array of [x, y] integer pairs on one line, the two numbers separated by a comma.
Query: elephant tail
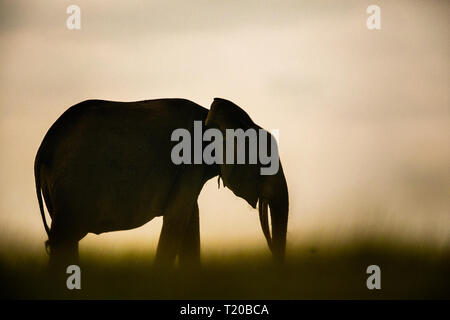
[[37, 176]]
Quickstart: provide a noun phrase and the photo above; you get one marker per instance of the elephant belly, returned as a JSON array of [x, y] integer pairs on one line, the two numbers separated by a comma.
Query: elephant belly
[[98, 206], [107, 219], [106, 225]]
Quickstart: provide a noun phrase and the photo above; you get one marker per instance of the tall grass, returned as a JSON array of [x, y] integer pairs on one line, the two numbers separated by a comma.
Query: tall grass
[[327, 271]]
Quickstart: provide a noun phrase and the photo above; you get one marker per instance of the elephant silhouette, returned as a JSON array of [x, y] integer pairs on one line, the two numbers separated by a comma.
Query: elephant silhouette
[[106, 166]]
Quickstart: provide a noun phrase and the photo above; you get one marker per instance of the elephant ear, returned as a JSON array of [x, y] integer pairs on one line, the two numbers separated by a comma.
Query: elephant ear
[[242, 179]]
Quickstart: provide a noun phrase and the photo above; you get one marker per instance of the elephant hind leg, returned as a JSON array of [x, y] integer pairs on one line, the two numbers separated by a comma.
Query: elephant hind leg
[[189, 253], [63, 248], [63, 254]]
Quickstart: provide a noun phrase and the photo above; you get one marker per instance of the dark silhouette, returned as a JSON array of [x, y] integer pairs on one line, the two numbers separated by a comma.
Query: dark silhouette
[[106, 166]]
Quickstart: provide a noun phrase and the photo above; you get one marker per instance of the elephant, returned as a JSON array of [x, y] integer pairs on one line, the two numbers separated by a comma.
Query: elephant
[[106, 166]]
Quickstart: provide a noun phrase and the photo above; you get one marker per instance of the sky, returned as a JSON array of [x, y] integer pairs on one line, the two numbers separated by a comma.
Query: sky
[[363, 115]]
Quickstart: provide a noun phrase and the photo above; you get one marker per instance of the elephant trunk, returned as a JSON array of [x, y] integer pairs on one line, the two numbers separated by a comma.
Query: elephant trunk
[[278, 202]]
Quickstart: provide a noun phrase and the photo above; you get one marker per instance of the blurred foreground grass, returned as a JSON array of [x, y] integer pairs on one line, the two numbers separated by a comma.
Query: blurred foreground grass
[[310, 272]]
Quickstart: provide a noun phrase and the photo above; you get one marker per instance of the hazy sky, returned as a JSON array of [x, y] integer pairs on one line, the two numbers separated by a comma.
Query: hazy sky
[[364, 116]]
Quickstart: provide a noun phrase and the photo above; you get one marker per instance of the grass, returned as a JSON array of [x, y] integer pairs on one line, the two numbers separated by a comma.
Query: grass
[[323, 272]]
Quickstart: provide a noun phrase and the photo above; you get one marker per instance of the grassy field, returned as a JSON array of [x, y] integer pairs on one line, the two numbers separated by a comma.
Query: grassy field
[[324, 272]]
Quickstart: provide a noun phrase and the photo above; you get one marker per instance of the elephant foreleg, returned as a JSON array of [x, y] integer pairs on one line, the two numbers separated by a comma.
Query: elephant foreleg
[[170, 240], [189, 253], [180, 215]]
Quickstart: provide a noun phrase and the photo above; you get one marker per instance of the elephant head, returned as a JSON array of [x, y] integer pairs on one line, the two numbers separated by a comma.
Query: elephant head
[[246, 180]]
